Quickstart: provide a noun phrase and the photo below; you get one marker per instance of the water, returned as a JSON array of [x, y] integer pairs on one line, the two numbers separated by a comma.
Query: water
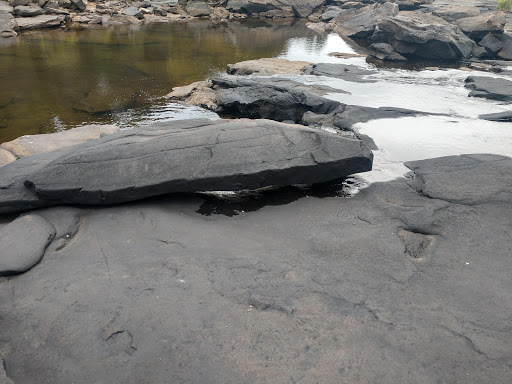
[[50, 78], [58, 79]]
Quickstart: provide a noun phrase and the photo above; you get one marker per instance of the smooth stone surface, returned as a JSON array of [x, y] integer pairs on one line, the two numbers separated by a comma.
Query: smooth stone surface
[[41, 21], [23, 243], [198, 9], [6, 157], [267, 67], [8, 25], [28, 10], [464, 179], [388, 287], [455, 12], [479, 26], [29, 145], [489, 88], [346, 72], [423, 35], [491, 43], [386, 52], [276, 99], [500, 116], [362, 25], [197, 155]]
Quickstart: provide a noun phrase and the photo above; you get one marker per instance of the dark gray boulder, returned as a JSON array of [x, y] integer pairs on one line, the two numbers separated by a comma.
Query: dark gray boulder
[[345, 72], [423, 35], [8, 25], [500, 116], [198, 9], [79, 5], [330, 13], [455, 12], [506, 52], [411, 5], [384, 51], [133, 11], [28, 10], [197, 155], [251, 7], [464, 179], [23, 243], [491, 43], [15, 3], [478, 26], [489, 88], [304, 8], [362, 25], [280, 100]]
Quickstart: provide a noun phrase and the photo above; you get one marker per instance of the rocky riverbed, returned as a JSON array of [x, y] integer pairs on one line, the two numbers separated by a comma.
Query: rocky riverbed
[[338, 220]]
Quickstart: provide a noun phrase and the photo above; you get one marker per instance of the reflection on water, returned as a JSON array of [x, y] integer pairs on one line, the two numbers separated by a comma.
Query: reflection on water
[[54, 80]]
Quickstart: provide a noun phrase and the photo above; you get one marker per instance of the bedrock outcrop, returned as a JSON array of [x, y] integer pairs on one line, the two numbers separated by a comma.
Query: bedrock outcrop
[[183, 156], [389, 286], [489, 88]]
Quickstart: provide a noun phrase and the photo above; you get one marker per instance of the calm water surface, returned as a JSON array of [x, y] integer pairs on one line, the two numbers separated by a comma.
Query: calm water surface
[[55, 80]]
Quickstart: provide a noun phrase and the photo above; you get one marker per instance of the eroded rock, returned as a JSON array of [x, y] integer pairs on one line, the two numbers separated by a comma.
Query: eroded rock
[[345, 72], [479, 26], [489, 88], [6, 157], [41, 21], [267, 67], [205, 155], [23, 243]]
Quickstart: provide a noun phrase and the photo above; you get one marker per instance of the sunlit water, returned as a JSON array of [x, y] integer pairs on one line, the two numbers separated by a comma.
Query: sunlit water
[[134, 67]]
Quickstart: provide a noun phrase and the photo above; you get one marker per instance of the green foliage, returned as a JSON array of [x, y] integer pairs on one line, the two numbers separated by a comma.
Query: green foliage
[[504, 5]]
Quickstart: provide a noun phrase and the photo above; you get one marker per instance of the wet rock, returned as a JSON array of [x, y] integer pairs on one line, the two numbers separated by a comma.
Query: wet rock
[[198, 9], [348, 115], [205, 155], [28, 10], [478, 26], [386, 52], [362, 25], [345, 72], [491, 44], [6, 157], [489, 88], [23, 243], [419, 34], [464, 179], [344, 55], [500, 116], [276, 99], [455, 12], [8, 25], [41, 21], [267, 67], [416, 245], [29, 145]]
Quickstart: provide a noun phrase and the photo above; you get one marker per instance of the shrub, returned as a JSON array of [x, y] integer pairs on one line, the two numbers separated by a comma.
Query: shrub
[[504, 5]]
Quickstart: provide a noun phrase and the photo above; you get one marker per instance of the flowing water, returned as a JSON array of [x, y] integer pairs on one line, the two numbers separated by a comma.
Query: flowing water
[[55, 80]]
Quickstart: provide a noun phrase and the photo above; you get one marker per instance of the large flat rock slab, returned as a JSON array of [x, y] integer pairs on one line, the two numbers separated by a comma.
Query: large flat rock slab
[[389, 286], [6, 157], [267, 67], [489, 88], [29, 145], [23, 243], [41, 21], [197, 155], [345, 72], [466, 179]]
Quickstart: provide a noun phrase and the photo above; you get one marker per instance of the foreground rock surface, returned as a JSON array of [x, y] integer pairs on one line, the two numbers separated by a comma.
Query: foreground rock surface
[[35, 144], [267, 67], [185, 156], [23, 243], [381, 288]]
